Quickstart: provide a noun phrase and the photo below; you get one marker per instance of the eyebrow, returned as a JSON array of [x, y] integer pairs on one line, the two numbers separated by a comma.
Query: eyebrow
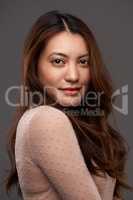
[[64, 55]]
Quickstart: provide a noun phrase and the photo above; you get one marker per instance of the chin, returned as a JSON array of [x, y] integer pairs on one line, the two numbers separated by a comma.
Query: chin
[[63, 100], [69, 102]]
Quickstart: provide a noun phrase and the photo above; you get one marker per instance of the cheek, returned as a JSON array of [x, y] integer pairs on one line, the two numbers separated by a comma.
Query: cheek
[[50, 76], [85, 76]]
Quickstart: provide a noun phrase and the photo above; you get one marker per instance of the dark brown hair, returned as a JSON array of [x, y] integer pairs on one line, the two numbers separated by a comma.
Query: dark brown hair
[[97, 139]]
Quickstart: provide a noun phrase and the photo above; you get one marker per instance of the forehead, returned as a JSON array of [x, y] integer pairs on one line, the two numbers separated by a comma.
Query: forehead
[[67, 43]]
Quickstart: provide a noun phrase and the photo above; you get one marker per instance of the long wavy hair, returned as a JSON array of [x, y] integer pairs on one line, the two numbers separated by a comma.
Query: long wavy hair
[[98, 140]]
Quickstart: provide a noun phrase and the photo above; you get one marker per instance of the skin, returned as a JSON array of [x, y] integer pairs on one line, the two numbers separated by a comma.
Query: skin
[[65, 63]]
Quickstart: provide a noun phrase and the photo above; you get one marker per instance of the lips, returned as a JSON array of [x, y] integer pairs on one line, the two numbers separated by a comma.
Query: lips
[[70, 89]]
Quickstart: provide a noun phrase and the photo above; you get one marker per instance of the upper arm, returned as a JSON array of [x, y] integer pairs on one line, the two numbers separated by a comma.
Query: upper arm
[[54, 147]]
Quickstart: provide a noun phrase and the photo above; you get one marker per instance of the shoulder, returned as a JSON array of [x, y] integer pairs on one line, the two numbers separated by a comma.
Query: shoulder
[[43, 117]]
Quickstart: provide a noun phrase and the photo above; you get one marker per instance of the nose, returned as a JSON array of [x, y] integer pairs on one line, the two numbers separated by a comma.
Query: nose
[[72, 74]]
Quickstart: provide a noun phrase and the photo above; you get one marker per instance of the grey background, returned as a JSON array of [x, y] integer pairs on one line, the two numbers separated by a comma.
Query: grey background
[[112, 24]]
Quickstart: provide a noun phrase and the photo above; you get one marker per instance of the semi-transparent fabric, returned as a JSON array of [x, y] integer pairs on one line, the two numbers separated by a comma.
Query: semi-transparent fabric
[[49, 161]]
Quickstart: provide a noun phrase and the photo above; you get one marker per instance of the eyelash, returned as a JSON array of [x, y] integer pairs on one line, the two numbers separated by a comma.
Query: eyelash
[[54, 61], [63, 62]]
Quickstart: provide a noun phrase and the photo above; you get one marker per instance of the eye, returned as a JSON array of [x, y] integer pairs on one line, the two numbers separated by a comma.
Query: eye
[[58, 61], [84, 62]]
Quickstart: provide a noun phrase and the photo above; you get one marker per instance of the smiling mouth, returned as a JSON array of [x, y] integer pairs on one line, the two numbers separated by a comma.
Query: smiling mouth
[[71, 91]]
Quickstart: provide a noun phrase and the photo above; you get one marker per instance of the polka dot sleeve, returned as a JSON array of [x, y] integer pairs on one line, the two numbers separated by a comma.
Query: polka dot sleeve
[[54, 148]]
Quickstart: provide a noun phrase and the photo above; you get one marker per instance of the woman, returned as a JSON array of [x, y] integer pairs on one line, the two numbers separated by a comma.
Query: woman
[[60, 146]]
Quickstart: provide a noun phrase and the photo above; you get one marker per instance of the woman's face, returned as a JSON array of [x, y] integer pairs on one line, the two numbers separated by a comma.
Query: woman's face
[[63, 68]]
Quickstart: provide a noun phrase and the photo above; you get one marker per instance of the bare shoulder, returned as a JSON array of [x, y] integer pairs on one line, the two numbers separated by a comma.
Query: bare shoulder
[[51, 116], [44, 116]]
